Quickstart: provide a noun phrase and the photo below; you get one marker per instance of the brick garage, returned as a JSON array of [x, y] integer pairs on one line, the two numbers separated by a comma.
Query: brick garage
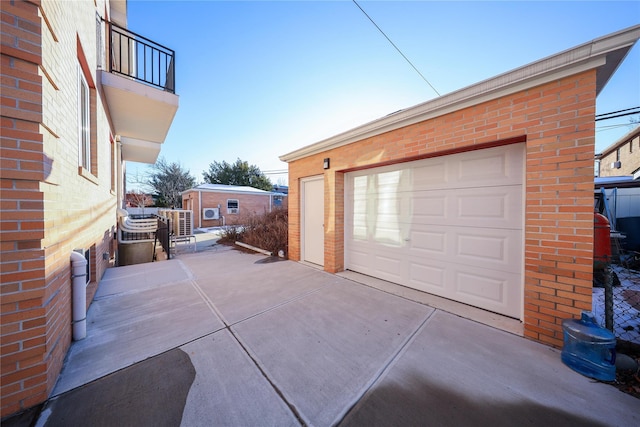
[[547, 107], [234, 203]]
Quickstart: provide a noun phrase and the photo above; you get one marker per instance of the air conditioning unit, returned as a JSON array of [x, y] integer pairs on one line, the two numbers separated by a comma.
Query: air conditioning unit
[[210, 213], [616, 165], [233, 210]]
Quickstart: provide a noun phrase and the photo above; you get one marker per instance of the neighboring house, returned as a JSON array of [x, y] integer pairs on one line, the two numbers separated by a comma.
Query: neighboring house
[[218, 204], [72, 114], [281, 189], [483, 195], [138, 200], [622, 157]]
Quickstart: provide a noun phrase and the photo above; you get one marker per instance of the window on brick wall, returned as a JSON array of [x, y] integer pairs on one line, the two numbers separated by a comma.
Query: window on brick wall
[[233, 206], [84, 122], [87, 119]]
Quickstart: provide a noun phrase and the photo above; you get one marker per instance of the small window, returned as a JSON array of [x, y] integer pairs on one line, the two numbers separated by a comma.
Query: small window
[[84, 123], [233, 206], [618, 155], [631, 146]]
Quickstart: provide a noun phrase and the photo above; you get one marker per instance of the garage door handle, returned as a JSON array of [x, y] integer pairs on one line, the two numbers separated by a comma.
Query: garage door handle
[[407, 239]]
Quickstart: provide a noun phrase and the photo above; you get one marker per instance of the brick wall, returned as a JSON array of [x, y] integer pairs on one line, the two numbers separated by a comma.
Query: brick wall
[[248, 204], [49, 207], [22, 265], [557, 122], [629, 157]]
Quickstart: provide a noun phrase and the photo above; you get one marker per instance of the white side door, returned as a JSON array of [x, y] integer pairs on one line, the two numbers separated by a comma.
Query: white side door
[[312, 217]]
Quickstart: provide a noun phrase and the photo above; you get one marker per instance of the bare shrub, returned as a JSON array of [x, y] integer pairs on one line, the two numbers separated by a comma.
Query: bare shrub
[[232, 234], [268, 231]]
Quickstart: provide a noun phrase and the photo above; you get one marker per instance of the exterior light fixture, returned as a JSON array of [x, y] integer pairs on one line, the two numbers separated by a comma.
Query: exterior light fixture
[[326, 163]]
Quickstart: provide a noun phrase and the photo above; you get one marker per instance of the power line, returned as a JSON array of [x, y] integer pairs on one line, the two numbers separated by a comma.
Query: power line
[[397, 48], [614, 114], [612, 127]]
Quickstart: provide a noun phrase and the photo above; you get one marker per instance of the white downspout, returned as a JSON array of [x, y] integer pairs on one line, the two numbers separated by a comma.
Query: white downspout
[[79, 295], [120, 171]]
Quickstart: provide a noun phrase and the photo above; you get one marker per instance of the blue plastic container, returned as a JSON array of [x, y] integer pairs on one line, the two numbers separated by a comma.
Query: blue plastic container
[[588, 348]]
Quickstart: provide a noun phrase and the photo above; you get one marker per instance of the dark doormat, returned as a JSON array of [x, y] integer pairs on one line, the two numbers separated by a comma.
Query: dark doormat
[[150, 393]]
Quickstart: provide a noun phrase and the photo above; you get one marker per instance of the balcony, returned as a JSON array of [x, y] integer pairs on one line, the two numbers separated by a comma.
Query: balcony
[[138, 83]]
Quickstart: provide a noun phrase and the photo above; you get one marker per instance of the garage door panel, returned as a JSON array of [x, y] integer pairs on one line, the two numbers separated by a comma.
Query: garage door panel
[[358, 260], [427, 277], [494, 291], [501, 206], [429, 207], [479, 287], [434, 174], [494, 249], [429, 243], [388, 266], [491, 167], [494, 166], [451, 226], [488, 167], [482, 286], [490, 249], [480, 247]]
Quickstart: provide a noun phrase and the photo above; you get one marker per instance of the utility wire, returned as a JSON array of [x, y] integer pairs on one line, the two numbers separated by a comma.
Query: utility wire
[[616, 112], [612, 127], [610, 116], [398, 49]]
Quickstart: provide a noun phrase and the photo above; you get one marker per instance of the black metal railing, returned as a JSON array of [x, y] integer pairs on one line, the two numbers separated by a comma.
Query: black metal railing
[[144, 60], [163, 235]]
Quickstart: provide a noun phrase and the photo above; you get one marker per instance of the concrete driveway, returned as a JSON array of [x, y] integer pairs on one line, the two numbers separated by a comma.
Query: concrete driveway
[[224, 338]]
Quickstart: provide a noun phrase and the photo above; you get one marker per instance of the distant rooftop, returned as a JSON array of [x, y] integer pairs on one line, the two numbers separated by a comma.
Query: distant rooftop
[[223, 188]]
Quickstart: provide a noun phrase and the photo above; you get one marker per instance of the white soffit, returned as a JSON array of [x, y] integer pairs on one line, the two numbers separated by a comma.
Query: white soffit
[[140, 151], [605, 54]]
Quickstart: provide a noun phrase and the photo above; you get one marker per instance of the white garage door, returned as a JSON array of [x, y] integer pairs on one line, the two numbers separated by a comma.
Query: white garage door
[[450, 226]]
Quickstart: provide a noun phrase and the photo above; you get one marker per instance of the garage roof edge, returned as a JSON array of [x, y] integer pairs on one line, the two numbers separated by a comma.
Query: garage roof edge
[[604, 53]]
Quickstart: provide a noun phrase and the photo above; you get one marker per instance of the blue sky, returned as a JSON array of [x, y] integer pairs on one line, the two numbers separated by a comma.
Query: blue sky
[[260, 79]]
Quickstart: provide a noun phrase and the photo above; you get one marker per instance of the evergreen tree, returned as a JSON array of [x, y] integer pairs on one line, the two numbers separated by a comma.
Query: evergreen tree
[[168, 180], [239, 173]]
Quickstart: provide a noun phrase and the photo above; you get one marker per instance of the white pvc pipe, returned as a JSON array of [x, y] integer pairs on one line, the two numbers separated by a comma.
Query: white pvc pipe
[[79, 295]]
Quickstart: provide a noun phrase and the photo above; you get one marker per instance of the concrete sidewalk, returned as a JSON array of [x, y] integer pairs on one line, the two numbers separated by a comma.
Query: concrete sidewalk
[[226, 338]]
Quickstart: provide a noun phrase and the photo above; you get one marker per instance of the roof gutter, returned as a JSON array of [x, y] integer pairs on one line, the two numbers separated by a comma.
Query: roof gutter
[[605, 53]]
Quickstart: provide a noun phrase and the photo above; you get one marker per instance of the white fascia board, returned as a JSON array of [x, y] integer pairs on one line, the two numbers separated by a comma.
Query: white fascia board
[[573, 61]]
